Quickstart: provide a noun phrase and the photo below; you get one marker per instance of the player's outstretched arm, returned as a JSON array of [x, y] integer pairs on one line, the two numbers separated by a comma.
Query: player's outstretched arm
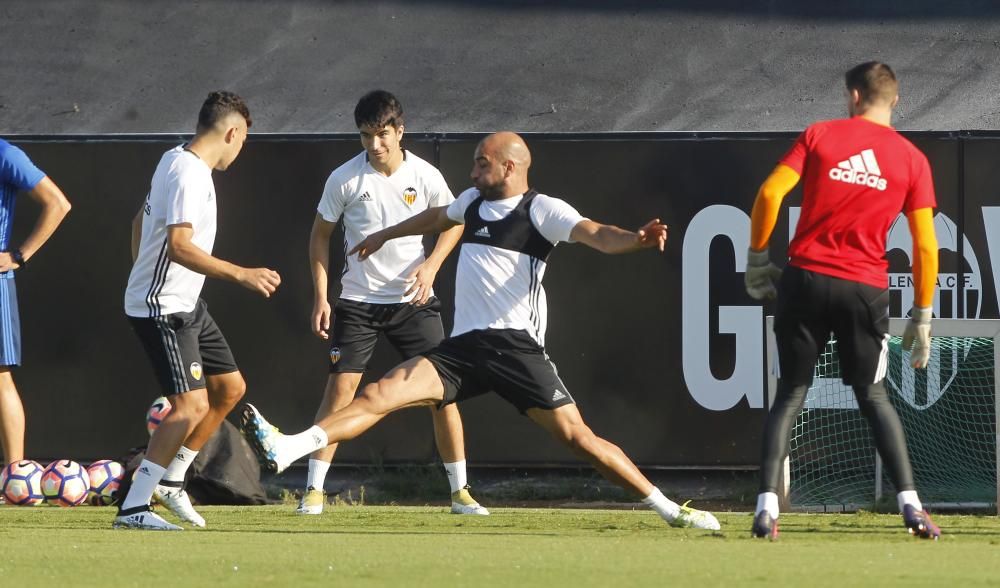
[[55, 207], [432, 220], [319, 262], [611, 239], [761, 275], [917, 335], [180, 249]]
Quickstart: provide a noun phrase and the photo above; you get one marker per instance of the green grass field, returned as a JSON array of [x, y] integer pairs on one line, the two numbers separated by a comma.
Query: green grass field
[[426, 546]]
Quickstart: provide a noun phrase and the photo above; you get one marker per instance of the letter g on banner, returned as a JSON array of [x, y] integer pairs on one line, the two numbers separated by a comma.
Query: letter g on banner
[[747, 379]]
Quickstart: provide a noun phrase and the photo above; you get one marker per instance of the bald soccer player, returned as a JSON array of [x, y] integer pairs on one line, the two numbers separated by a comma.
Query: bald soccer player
[[859, 174], [499, 335]]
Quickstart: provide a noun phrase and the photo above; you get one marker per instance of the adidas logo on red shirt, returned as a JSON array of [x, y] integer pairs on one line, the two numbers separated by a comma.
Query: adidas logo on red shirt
[[861, 169]]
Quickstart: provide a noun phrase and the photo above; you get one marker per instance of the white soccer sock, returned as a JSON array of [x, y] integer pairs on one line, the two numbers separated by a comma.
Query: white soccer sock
[[312, 439], [456, 475], [908, 497], [317, 473], [147, 476], [666, 508], [180, 464], [767, 501]]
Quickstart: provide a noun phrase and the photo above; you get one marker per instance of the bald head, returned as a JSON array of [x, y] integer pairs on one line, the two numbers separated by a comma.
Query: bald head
[[501, 165], [508, 146]]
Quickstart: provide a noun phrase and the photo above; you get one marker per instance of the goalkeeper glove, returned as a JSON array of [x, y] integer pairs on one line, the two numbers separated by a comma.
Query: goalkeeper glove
[[761, 275], [917, 336]]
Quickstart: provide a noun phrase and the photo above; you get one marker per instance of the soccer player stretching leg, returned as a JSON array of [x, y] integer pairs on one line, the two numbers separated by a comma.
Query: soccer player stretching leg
[[859, 174], [500, 317], [172, 239], [389, 293]]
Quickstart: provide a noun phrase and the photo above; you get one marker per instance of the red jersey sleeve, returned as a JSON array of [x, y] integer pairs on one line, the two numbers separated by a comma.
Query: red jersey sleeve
[[796, 156], [921, 193]]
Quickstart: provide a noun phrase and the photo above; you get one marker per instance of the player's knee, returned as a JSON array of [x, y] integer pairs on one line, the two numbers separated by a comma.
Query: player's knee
[[234, 391], [582, 440], [375, 398], [190, 406]]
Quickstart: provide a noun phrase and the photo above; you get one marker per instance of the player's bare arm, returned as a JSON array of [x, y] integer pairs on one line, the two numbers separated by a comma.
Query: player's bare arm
[[182, 250], [319, 263], [613, 240], [432, 220], [55, 207], [424, 274]]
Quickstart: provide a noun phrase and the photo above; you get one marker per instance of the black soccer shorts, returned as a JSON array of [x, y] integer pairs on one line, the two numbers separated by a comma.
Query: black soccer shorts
[[506, 361], [410, 328], [184, 347], [813, 305]]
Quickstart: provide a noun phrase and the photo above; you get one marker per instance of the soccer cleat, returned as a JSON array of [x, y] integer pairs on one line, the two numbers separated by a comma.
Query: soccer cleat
[[179, 503], [764, 526], [141, 517], [263, 438], [463, 503], [695, 519], [312, 502], [919, 523]]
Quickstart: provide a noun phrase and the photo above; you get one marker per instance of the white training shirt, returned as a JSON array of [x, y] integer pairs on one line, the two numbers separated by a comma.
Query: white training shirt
[[498, 288], [368, 201], [182, 191]]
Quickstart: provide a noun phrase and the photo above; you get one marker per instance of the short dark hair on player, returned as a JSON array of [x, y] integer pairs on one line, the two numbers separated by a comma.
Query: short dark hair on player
[[378, 109], [874, 81], [218, 106]]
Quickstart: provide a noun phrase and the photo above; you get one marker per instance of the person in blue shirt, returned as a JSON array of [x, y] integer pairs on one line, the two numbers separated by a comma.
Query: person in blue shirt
[[18, 174]]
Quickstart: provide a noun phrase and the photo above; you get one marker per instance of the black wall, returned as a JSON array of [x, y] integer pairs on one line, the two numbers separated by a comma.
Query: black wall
[[618, 326]]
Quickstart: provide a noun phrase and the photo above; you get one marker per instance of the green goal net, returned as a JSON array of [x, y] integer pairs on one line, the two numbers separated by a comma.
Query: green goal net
[[949, 412]]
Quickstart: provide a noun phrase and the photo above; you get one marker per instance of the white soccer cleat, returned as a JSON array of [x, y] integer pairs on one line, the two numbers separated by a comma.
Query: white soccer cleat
[[264, 438], [312, 502], [179, 503], [463, 503], [140, 517], [695, 519]]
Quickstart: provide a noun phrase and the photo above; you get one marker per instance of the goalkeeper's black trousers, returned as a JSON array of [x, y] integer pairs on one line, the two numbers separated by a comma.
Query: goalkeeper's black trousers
[[877, 410]]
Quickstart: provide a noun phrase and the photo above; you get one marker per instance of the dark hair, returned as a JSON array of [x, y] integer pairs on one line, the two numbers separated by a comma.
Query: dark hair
[[218, 106], [874, 81], [378, 109]]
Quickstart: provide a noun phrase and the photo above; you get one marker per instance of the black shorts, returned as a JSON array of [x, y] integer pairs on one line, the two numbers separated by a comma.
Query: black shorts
[[184, 347], [410, 328], [506, 361], [813, 305]]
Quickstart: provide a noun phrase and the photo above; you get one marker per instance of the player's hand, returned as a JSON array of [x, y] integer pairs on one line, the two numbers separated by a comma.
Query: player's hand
[[917, 336], [761, 276], [652, 234], [321, 316], [7, 262], [421, 281], [261, 280], [370, 245]]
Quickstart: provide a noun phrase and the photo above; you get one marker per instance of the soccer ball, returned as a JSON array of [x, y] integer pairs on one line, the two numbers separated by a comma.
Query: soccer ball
[[156, 413], [65, 483], [21, 482], [105, 478]]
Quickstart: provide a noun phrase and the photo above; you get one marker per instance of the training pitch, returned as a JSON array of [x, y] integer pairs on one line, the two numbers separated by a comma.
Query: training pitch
[[427, 546]]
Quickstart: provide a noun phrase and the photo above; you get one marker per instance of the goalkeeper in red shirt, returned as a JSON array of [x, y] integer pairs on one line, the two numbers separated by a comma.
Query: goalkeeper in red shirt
[[858, 173]]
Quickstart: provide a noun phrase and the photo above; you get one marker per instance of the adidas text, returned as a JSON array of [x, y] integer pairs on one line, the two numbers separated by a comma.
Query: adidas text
[[861, 170]]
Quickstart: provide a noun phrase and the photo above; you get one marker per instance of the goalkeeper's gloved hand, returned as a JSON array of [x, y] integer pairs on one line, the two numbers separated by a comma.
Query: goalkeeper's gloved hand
[[917, 336], [761, 275]]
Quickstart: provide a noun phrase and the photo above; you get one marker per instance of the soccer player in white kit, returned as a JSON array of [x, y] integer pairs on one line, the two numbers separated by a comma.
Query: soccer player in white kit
[[498, 340], [172, 239], [390, 292]]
